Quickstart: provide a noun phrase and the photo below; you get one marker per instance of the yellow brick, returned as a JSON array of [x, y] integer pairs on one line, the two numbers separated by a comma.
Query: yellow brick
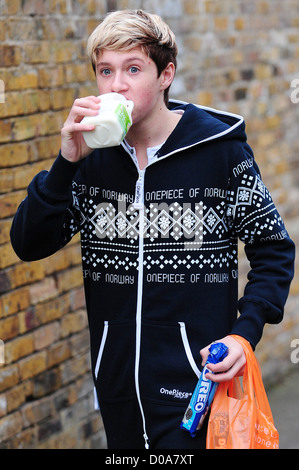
[[25, 127], [14, 301], [191, 7], [63, 98], [11, 425], [45, 289], [57, 6], [21, 29], [5, 226], [46, 335], [20, 78], [205, 98], [53, 122], [51, 77], [37, 52], [9, 55], [273, 122], [69, 279], [24, 273], [10, 202], [6, 183], [11, 8], [263, 71], [3, 405], [262, 8], [281, 168], [87, 90], [58, 352], [239, 24], [64, 51], [9, 377], [93, 23], [2, 30], [220, 23], [35, 125], [15, 397], [57, 262], [47, 147], [7, 255], [52, 310], [193, 43], [82, 72], [33, 365], [18, 348], [5, 131], [23, 175], [9, 328], [16, 154], [36, 7], [73, 323]]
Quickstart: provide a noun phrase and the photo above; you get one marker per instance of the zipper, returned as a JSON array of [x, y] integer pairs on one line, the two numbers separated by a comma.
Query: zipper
[[99, 358], [138, 204], [139, 190]]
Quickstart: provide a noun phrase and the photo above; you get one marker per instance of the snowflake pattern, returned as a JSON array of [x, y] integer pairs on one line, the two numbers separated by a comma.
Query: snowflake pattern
[[244, 195], [102, 220], [205, 226], [211, 219], [164, 222], [189, 221]]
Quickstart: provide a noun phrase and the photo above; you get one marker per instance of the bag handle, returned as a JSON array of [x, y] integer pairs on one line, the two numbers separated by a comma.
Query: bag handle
[[253, 381]]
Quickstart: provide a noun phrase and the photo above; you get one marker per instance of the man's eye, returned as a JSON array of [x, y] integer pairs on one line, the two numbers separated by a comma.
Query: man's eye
[[105, 72], [133, 69]]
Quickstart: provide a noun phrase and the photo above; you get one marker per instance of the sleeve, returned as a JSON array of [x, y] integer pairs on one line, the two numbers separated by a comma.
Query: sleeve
[[47, 218], [268, 247]]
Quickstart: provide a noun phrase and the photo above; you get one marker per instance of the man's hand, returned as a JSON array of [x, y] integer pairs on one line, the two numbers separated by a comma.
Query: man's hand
[[73, 146], [233, 365]]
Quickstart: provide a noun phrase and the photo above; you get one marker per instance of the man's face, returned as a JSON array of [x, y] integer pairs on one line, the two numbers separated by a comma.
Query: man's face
[[134, 75]]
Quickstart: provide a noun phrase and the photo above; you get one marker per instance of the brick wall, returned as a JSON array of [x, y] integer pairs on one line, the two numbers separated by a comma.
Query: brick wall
[[46, 398], [239, 56]]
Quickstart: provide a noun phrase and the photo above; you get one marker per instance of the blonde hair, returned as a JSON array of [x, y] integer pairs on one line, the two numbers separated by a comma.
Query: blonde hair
[[125, 30]]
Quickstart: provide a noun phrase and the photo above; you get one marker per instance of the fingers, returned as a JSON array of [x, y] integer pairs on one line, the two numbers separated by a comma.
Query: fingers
[[228, 374], [82, 107], [73, 146], [69, 129], [233, 365]]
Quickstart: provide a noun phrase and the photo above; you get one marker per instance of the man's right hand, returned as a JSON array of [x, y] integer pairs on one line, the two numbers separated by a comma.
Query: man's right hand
[[73, 146]]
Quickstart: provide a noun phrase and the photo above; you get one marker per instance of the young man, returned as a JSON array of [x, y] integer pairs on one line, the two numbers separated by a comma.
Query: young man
[[159, 217]]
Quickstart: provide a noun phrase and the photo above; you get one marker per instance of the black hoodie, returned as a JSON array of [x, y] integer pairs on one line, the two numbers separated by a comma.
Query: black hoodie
[[160, 254]]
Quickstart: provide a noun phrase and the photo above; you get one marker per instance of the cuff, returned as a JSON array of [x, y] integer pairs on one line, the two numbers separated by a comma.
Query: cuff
[[59, 179]]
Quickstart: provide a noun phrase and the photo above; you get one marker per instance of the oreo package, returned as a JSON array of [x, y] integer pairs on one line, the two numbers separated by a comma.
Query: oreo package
[[204, 392]]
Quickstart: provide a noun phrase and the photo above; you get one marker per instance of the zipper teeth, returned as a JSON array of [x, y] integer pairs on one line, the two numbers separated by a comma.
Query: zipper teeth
[[138, 309], [138, 321]]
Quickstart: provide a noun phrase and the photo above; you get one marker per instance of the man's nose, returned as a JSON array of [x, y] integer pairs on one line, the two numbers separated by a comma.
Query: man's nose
[[119, 84]]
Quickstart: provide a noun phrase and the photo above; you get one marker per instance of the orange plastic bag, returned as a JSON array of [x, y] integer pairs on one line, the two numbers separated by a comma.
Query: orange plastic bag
[[240, 415]]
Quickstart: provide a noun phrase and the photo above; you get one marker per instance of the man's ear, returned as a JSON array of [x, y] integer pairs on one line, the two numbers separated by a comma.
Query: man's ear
[[167, 76]]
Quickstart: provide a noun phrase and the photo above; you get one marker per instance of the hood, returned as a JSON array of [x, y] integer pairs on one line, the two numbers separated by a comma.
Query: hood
[[200, 124]]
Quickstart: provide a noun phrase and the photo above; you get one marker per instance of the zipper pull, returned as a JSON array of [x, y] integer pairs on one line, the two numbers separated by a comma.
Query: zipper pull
[[146, 440], [139, 188]]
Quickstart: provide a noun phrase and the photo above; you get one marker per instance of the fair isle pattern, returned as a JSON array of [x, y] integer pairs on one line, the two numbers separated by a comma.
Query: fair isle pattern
[[173, 231], [173, 221]]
